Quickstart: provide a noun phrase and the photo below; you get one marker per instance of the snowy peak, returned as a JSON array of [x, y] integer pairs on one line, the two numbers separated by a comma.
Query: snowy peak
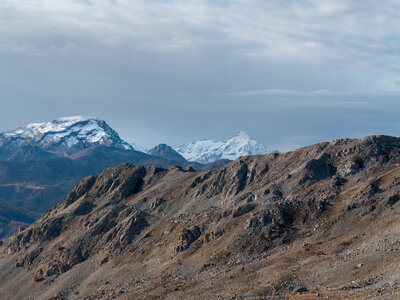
[[207, 151], [76, 132], [243, 135]]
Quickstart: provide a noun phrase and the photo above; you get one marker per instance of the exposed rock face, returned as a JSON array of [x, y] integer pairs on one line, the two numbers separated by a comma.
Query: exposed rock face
[[188, 237], [244, 209], [93, 217], [318, 169], [156, 203], [315, 220]]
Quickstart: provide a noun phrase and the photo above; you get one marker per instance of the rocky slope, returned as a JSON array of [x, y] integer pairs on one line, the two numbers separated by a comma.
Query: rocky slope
[[319, 222], [207, 151]]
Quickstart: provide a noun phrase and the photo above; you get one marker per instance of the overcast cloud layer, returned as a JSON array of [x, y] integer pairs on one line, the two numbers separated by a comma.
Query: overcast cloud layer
[[289, 73]]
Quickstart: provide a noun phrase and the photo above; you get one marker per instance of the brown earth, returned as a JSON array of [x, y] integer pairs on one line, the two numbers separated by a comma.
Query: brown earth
[[321, 222]]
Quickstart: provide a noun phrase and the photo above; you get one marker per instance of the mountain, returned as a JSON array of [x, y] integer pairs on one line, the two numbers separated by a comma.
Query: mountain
[[61, 136], [165, 151], [41, 162], [319, 222], [207, 151]]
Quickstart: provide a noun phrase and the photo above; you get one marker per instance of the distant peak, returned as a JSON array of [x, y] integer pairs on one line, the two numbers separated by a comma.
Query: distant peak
[[163, 145], [59, 124], [63, 133], [243, 135], [208, 151], [75, 119], [165, 151]]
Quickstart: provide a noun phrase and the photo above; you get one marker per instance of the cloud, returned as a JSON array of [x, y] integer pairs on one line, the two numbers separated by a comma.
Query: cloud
[[307, 30], [154, 64]]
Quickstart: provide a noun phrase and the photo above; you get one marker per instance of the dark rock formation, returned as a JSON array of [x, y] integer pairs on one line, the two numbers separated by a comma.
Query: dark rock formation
[[244, 209], [157, 202], [188, 237], [318, 169]]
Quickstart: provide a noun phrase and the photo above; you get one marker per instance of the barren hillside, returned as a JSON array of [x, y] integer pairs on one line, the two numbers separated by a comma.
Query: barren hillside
[[321, 221]]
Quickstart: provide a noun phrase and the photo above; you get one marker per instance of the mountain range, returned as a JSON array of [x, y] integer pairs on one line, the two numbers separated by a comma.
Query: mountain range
[[41, 162], [320, 222], [207, 151], [60, 137]]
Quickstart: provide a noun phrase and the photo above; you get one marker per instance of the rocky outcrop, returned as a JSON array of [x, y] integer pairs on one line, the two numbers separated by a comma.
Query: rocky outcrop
[[244, 209], [187, 238], [157, 202], [318, 169]]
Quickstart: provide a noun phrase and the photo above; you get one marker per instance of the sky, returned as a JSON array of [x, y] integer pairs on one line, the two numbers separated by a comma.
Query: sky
[[288, 72]]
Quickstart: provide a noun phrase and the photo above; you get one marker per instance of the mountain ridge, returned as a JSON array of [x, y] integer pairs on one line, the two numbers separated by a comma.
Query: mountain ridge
[[317, 220]]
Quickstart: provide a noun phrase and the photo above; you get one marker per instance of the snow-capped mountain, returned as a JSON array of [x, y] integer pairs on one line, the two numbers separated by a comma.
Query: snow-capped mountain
[[76, 133], [207, 151]]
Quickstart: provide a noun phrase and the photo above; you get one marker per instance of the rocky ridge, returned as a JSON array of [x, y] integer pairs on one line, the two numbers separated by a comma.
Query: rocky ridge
[[321, 221]]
